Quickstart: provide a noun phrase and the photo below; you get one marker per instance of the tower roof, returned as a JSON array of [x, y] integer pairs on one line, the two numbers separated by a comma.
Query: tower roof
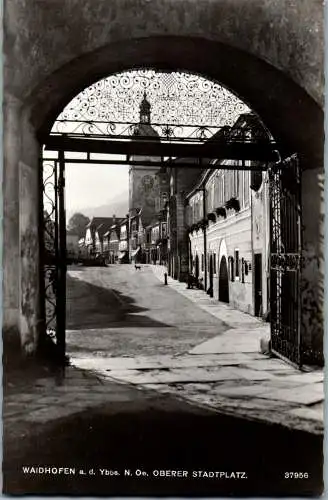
[[144, 128], [145, 105]]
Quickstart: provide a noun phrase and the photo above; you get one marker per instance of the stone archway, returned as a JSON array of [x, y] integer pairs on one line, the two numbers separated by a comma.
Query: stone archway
[[207, 38], [285, 117]]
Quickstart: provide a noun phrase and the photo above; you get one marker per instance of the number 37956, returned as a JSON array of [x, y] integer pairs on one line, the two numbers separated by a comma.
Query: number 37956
[[296, 475]]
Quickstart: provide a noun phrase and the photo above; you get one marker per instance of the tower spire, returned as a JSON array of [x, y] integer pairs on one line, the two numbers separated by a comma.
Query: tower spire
[[145, 108]]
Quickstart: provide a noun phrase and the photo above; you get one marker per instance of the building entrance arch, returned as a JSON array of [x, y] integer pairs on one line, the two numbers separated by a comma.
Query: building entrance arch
[[287, 117], [110, 139]]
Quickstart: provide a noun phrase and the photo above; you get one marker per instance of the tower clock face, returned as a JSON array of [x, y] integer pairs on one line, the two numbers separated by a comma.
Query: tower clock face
[[147, 182]]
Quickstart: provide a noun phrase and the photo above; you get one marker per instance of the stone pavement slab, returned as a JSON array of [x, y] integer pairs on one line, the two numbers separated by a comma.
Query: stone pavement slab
[[245, 391], [309, 413], [158, 362], [269, 364], [304, 395], [55, 397], [255, 408], [307, 377], [189, 374], [176, 376], [231, 341]]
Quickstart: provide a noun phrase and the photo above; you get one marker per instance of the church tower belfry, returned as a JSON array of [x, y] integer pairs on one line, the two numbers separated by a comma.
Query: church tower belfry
[[143, 181]]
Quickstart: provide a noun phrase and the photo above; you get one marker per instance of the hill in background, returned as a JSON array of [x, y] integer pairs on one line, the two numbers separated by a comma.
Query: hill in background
[[117, 206]]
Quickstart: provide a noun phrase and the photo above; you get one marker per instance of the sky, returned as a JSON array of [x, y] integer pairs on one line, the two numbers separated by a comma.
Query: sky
[[93, 185]]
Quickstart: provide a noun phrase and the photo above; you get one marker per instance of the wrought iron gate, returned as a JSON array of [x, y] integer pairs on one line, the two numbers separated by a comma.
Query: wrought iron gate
[[285, 272], [53, 252], [174, 115]]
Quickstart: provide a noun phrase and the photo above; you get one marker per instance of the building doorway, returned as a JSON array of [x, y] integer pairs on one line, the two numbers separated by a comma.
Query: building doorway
[[211, 272], [223, 281], [258, 284]]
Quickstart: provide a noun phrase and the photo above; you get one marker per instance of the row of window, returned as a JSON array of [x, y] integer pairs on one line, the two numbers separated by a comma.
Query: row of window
[[223, 186], [227, 184], [238, 268]]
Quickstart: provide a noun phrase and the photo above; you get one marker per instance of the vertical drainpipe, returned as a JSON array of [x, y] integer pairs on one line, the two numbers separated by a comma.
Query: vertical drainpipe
[[205, 242], [128, 235], [176, 252], [252, 240]]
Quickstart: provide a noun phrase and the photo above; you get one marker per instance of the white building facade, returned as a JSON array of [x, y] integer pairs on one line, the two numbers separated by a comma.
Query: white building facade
[[229, 237]]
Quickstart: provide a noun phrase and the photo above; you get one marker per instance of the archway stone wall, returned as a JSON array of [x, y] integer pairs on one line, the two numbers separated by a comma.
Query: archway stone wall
[[41, 37], [269, 52]]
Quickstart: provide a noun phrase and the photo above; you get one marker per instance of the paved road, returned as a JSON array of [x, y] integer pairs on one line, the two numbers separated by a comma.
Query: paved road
[[108, 427], [120, 311]]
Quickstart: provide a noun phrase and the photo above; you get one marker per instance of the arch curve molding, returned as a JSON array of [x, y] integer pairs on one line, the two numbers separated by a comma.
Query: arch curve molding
[[284, 106]]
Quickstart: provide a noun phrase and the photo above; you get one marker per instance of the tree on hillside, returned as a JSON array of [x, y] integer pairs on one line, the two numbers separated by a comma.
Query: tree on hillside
[[77, 224]]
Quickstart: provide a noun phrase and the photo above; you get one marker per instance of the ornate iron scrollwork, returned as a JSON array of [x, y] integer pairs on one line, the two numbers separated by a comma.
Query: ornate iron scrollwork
[[50, 245], [175, 97]]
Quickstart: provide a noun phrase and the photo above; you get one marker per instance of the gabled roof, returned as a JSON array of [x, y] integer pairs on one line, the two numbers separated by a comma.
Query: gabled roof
[[103, 228], [115, 227], [96, 221], [103, 224]]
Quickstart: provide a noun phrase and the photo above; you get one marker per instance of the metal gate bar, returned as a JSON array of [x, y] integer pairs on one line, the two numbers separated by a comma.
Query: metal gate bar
[[285, 272], [53, 253]]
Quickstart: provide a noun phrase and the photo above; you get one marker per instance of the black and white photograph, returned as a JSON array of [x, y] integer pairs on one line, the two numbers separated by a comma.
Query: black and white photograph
[[163, 248]]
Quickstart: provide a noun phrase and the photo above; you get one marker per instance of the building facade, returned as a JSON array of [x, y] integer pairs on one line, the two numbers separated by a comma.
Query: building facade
[[226, 215], [94, 235]]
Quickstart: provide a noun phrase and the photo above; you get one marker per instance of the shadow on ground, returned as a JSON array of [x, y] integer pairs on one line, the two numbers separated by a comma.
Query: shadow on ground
[[153, 438], [92, 306]]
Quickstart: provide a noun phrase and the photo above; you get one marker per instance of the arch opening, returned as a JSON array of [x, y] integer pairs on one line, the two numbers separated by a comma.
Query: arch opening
[[282, 109]]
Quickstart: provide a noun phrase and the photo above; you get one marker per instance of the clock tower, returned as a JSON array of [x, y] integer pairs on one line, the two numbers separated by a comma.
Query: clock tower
[[143, 181]]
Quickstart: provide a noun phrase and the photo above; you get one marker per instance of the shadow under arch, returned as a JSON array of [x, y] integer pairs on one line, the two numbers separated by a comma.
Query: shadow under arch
[[292, 116]]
